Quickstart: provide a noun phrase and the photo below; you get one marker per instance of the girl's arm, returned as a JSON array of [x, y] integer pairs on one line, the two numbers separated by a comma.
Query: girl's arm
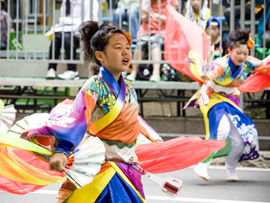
[[162, 17], [70, 129], [144, 15], [216, 71], [157, 16], [237, 82]]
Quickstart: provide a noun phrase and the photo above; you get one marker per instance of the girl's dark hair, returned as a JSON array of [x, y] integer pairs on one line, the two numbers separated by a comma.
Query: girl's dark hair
[[237, 37], [95, 37]]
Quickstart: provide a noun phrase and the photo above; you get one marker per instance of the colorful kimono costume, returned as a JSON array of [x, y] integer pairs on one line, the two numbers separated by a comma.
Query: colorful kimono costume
[[118, 177], [223, 117]]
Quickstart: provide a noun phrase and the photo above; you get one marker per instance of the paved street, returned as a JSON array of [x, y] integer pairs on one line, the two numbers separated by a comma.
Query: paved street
[[254, 187]]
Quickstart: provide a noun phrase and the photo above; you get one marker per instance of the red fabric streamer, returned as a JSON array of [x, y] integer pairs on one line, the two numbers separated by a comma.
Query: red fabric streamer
[[175, 154], [260, 80], [17, 188], [183, 35], [256, 83]]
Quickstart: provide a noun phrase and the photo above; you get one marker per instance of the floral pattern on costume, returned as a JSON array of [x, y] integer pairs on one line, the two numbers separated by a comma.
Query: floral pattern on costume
[[227, 74], [249, 135]]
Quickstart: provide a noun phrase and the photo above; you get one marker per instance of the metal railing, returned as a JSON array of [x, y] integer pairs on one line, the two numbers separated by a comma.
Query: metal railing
[[24, 45]]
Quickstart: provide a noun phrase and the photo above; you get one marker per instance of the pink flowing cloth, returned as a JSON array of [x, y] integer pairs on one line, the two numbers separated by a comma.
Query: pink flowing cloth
[[182, 36], [260, 80], [175, 154], [25, 159]]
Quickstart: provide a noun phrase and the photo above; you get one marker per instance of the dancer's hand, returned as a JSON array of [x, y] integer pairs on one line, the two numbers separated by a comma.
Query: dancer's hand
[[204, 76], [58, 162], [159, 139]]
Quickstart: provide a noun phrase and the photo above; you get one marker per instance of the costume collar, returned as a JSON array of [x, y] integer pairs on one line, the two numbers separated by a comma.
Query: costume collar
[[110, 80], [235, 71]]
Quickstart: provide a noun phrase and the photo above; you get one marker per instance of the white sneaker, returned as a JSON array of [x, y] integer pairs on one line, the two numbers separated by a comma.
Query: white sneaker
[[232, 176], [69, 75], [201, 171], [51, 74], [131, 78], [154, 78]]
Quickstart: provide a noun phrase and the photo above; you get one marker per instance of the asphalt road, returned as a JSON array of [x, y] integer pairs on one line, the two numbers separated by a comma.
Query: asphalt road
[[254, 187]]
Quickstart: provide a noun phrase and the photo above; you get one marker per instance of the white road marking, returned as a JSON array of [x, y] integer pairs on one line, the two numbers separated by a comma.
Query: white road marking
[[164, 198], [238, 168], [198, 200]]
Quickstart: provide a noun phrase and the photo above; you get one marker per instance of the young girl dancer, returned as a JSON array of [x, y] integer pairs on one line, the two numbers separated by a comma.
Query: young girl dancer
[[220, 106], [105, 94]]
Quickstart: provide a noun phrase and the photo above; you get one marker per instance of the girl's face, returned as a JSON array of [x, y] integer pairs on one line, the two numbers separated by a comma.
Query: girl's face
[[196, 4], [239, 54], [117, 55], [214, 31]]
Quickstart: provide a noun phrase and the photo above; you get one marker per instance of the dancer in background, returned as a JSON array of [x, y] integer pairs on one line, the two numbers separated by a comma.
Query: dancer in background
[[219, 104], [220, 84]]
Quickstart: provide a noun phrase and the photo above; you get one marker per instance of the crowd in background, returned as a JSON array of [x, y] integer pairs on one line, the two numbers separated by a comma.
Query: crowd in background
[[152, 18]]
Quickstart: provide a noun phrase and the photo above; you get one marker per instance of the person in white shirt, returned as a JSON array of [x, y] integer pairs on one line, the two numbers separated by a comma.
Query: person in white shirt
[[70, 20]]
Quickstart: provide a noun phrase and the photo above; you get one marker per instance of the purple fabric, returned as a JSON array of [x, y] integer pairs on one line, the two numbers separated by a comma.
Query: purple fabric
[[133, 175], [233, 98]]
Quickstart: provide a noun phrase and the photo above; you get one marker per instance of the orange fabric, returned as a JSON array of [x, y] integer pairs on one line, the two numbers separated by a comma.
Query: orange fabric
[[90, 106], [125, 128], [154, 29], [104, 167]]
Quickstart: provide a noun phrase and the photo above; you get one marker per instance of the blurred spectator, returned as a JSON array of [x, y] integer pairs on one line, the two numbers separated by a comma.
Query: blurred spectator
[[226, 3], [5, 22], [109, 2], [156, 39], [125, 9], [69, 22], [259, 7], [193, 12], [264, 25], [215, 36]]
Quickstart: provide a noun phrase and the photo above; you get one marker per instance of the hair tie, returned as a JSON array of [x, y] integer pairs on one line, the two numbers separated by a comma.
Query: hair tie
[[250, 43], [128, 38]]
